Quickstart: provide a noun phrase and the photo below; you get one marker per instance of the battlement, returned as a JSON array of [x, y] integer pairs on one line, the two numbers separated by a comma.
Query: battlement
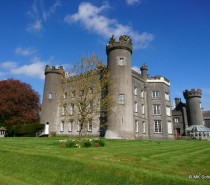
[[192, 93], [124, 43], [158, 79], [144, 67], [53, 69]]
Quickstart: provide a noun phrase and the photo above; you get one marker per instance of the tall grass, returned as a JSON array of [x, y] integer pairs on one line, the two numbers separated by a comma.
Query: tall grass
[[42, 161]]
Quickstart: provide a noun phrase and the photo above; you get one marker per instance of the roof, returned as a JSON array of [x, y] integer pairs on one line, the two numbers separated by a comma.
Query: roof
[[206, 114], [198, 128], [2, 128]]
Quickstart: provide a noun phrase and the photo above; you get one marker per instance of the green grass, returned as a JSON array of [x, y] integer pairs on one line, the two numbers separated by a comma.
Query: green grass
[[42, 161]]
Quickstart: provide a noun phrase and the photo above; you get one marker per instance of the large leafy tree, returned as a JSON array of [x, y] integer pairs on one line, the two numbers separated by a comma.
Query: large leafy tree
[[19, 103]]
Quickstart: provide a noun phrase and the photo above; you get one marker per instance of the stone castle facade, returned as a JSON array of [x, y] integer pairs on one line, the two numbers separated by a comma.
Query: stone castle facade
[[144, 110]]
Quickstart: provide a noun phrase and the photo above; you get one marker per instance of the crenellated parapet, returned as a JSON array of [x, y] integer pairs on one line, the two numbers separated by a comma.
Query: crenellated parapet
[[159, 79], [53, 69], [193, 93], [124, 43], [144, 67]]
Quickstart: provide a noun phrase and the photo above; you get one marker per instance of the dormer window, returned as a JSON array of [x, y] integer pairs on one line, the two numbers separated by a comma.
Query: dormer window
[[121, 62]]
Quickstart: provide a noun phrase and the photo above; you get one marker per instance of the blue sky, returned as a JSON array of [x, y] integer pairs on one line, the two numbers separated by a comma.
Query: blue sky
[[171, 37]]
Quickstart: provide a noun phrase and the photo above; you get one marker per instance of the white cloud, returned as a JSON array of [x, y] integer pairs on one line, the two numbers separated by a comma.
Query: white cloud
[[1, 74], [36, 69], [206, 91], [25, 52], [52, 9], [89, 16], [35, 27], [8, 64], [137, 69], [40, 14], [132, 2]]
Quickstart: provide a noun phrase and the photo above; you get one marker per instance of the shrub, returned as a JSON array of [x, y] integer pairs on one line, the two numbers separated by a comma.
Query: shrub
[[24, 130], [71, 144], [86, 142], [100, 142]]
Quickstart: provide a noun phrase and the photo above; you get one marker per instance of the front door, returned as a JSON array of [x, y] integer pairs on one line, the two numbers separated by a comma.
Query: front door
[[46, 131], [178, 131]]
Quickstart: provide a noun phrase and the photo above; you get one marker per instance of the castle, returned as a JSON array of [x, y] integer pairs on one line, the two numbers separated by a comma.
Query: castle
[[144, 107], [144, 110]]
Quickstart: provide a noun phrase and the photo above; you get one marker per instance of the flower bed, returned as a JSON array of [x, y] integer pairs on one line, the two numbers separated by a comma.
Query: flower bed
[[85, 143]]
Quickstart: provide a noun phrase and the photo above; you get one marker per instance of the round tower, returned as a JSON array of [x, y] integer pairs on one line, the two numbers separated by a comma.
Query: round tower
[[120, 120], [193, 101], [49, 110], [144, 69]]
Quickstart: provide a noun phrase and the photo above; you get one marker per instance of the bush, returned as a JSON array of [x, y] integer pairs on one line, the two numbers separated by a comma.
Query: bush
[[71, 144], [25, 130], [85, 143], [100, 142]]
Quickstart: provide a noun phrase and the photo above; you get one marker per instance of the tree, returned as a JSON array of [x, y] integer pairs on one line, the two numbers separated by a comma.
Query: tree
[[19, 103], [83, 94]]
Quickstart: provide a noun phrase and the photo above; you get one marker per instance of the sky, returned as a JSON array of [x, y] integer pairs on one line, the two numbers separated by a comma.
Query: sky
[[171, 37]]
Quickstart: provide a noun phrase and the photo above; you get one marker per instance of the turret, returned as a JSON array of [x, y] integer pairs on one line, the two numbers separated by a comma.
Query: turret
[[49, 110], [177, 100], [120, 120], [144, 69], [193, 102]]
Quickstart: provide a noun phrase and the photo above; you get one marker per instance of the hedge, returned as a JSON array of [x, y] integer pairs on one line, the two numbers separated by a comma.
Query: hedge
[[25, 130]]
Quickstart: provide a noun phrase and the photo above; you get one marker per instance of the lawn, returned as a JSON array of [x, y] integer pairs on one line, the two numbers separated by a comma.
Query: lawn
[[28, 161]]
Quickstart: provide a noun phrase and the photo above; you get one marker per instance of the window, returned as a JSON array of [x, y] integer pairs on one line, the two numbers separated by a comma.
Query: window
[[91, 106], [176, 120], [168, 111], [73, 94], [135, 107], [166, 96], [63, 110], [62, 126], [122, 99], [155, 94], [135, 91], [156, 109], [158, 126], [72, 109], [82, 92], [169, 128], [65, 95], [136, 126], [91, 90], [144, 127], [71, 126], [78, 127], [142, 93], [121, 62], [142, 108], [50, 96], [90, 126], [81, 106]]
